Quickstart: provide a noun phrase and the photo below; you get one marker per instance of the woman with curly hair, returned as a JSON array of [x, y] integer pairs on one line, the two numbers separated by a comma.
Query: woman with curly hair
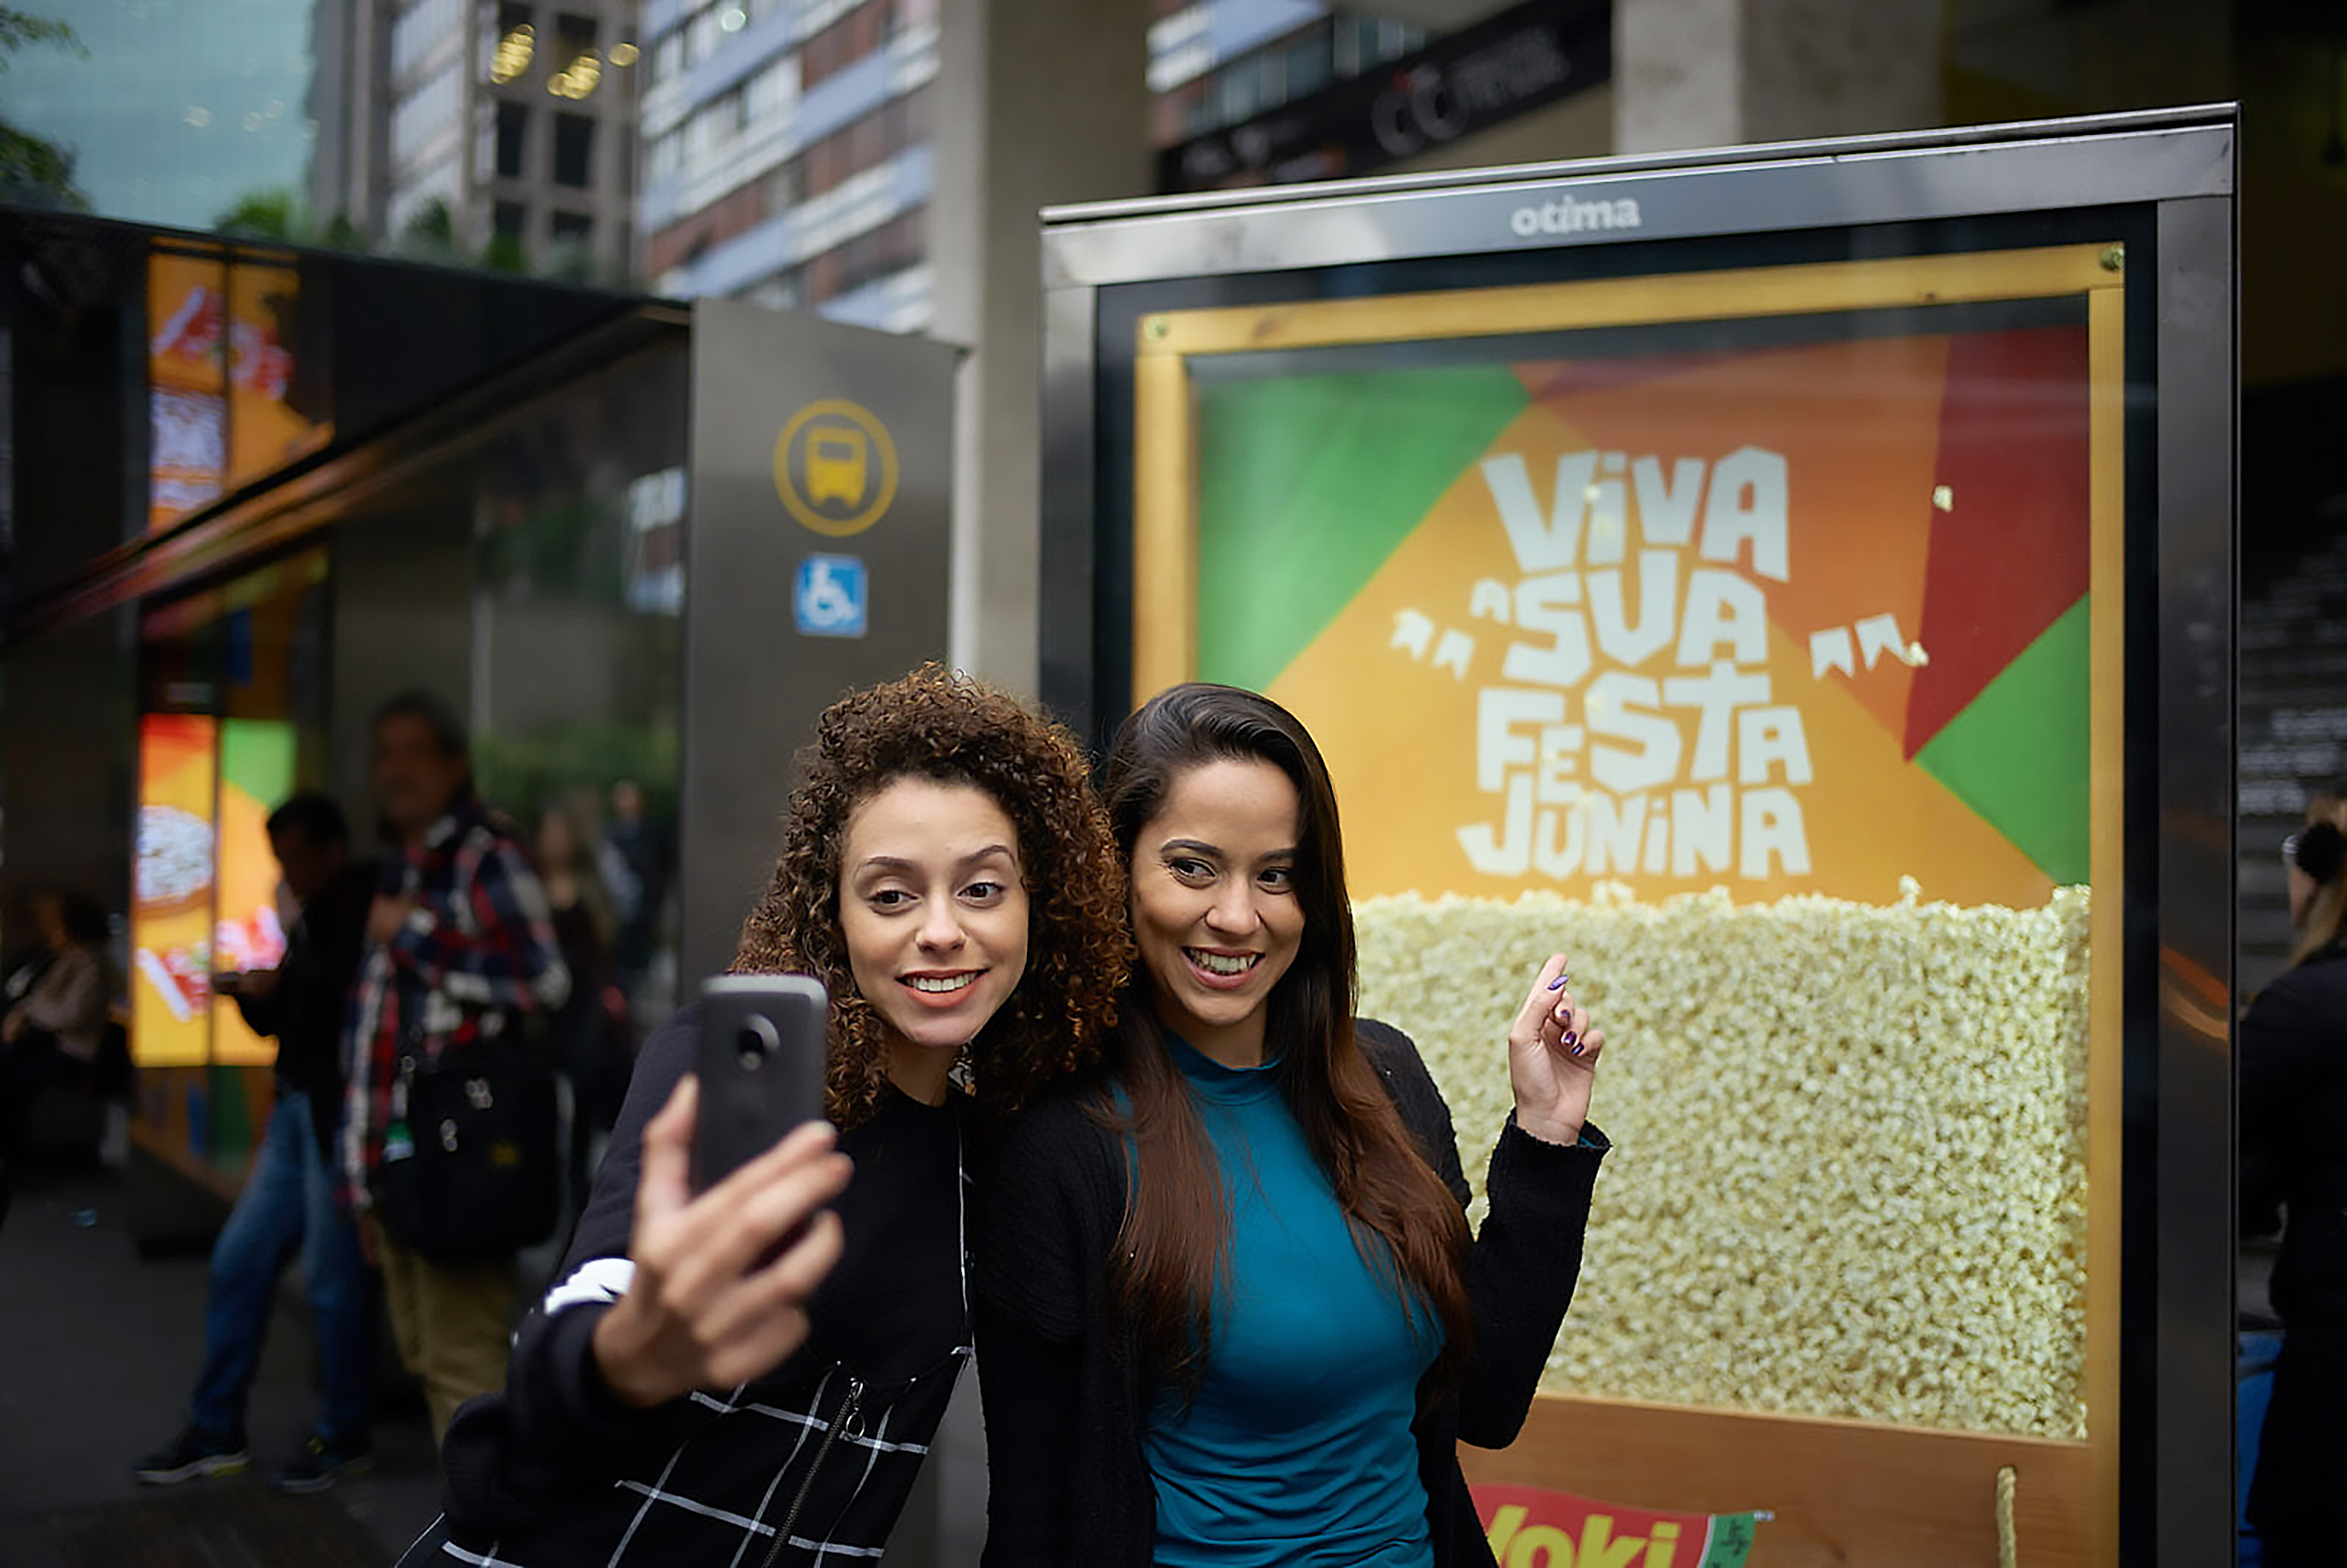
[[948, 875]]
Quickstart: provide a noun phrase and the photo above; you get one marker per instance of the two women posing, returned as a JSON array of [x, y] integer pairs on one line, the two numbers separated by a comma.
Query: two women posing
[[1226, 1304]]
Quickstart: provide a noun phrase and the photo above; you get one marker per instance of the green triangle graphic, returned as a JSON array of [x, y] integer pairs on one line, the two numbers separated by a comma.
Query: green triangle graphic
[[1307, 484], [2017, 754]]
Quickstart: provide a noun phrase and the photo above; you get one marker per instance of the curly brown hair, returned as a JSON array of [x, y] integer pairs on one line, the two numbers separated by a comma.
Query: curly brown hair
[[937, 724]]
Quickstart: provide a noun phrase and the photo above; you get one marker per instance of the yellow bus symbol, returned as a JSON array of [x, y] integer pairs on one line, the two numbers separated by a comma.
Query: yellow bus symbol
[[835, 467], [836, 459]]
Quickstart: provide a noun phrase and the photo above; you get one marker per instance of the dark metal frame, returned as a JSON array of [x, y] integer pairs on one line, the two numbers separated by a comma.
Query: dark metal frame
[[2173, 175]]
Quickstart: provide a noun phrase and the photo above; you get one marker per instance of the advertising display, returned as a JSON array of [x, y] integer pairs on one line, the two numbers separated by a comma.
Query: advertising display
[[186, 379], [171, 914], [256, 772], [1758, 606], [1735, 615], [221, 376]]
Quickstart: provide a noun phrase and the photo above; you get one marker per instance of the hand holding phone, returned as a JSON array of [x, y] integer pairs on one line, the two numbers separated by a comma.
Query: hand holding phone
[[703, 1311]]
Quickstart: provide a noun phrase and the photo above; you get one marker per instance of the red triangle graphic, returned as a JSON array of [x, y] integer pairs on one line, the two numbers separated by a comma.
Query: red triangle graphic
[[2010, 553]]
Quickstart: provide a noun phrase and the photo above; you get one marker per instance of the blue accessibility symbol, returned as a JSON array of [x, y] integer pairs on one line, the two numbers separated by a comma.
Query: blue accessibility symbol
[[832, 598]]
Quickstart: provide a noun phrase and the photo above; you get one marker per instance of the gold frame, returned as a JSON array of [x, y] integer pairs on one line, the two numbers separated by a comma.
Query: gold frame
[[1165, 557]]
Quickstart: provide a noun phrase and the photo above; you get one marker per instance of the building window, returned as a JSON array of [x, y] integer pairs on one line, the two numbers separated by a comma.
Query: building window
[[1308, 64], [579, 68], [788, 188], [513, 128], [1198, 109], [420, 33], [508, 219], [1242, 89], [573, 229], [773, 93], [421, 119], [668, 56], [668, 155], [574, 147], [516, 43]]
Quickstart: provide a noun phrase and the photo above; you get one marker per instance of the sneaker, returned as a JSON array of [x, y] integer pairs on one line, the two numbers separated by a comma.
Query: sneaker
[[320, 1465], [193, 1454]]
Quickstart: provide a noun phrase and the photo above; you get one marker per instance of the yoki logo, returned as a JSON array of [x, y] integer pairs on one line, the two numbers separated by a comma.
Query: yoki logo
[[1530, 1527]]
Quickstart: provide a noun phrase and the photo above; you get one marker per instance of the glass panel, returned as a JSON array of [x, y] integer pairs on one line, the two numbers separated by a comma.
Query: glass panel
[[1736, 639], [578, 658], [235, 721]]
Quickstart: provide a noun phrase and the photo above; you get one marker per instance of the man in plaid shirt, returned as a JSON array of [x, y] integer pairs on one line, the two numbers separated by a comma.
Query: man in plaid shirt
[[460, 943]]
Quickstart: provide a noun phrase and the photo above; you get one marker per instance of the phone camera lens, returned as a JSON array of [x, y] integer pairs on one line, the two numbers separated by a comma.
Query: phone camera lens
[[755, 1040]]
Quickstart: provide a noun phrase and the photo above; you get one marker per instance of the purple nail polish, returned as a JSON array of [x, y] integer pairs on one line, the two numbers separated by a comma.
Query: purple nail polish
[[1572, 1039], [1576, 1051], [1558, 984]]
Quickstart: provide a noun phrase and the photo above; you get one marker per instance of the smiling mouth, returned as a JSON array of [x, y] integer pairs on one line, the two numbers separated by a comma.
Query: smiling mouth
[[1224, 966], [942, 985]]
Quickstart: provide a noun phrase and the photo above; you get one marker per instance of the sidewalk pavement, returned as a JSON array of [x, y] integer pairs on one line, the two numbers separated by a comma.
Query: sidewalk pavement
[[97, 1352]]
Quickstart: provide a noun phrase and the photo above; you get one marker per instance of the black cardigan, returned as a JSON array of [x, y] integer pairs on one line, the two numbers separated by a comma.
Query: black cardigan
[[2293, 1056], [1065, 1405]]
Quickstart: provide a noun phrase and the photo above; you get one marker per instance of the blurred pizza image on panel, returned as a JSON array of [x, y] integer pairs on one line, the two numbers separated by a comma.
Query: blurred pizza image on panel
[[172, 922], [175, 858]]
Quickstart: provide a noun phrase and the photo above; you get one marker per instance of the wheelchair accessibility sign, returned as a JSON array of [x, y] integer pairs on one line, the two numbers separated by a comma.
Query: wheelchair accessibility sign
[[835, 467], [831, 597]]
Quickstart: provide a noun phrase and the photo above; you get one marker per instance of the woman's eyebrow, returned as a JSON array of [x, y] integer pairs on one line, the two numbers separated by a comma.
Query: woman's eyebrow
[[991, 851], [1190, 847]]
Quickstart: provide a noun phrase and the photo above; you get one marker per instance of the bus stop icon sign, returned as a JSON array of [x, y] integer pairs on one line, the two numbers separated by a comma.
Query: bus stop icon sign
[[835, 467]]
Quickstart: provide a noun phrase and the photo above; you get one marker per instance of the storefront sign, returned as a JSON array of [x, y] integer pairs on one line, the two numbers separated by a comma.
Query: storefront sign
[[1460, 84]]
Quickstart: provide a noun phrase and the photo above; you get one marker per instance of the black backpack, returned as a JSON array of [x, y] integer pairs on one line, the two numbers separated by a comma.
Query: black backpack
[[473, 1173]]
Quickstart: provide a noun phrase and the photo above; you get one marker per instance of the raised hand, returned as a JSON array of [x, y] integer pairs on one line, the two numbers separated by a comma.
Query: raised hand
[[1553, 1059]]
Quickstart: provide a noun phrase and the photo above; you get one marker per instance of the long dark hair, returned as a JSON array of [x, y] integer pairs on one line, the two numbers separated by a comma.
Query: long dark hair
[[1175, 1245]]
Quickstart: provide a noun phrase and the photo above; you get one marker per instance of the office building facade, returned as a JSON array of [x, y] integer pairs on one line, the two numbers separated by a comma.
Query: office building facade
[[786, 154], [506, 126], [786, 151]]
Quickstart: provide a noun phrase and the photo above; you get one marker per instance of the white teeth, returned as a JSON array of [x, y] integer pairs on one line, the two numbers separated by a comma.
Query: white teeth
[[937, 985], [1223, 963]]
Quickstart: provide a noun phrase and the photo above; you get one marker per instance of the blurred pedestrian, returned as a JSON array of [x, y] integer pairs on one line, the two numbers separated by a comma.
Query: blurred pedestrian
[[57, 1004], [593, 1040], [2293, 1078], [460, 952], [636, 865], [289, 1204]]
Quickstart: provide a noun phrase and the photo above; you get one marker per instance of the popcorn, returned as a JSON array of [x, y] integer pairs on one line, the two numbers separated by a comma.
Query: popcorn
[[1850, 1175]]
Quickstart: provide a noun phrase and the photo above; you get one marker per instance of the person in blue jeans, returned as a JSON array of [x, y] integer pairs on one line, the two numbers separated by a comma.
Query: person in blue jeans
[[290, 1204]]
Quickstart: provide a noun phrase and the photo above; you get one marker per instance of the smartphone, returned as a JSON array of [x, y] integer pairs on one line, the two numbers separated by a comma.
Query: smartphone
[[760, 1057]]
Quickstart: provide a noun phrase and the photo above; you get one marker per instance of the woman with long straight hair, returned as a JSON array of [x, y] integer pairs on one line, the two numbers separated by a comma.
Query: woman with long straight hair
[[1229, 1310], [676, 1397]]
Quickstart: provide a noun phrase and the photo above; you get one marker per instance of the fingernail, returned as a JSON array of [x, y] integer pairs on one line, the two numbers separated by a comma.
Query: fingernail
[[1576, 1051], [1558, 984], [1572, 1037]]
